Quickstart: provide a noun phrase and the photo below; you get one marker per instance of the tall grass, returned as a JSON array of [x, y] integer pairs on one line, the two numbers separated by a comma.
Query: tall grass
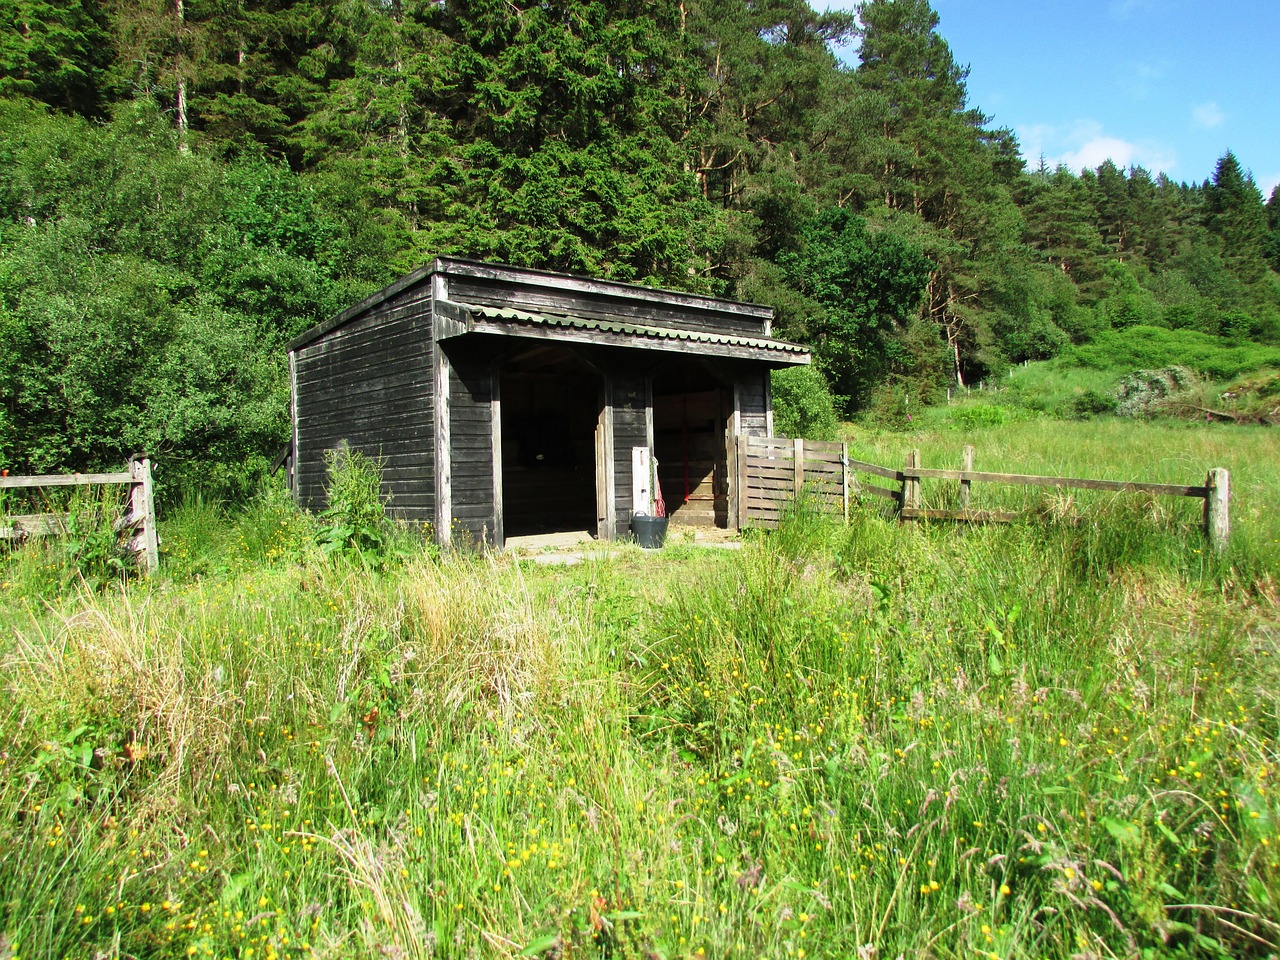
[[1047, 739]]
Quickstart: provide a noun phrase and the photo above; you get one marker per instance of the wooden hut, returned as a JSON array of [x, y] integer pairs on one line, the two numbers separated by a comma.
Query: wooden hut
[[504, 401]]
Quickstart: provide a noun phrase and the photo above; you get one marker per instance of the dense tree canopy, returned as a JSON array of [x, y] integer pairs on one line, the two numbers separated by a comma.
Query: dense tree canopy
[[185, 184]]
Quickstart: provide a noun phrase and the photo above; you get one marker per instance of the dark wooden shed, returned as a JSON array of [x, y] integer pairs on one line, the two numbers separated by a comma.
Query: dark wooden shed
[[504, 401]]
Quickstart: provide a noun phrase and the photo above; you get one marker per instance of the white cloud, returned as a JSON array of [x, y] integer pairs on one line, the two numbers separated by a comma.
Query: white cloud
[[1087, 145], [1207, 115], [1093, 152], [1267, 184]]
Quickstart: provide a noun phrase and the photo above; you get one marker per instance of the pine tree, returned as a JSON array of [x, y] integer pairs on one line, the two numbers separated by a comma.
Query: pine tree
[[940, 164], [55, 52], [1235, 214], [1273, 226]]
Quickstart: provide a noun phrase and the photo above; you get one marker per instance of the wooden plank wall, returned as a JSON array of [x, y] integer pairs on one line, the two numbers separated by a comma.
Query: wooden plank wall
[[369, 384], [534, 299], [630, 407], [775, 470], [753, 403], [471, 450]]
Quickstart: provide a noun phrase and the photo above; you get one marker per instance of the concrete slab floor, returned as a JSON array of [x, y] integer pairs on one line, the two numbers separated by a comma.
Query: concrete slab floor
[[571, 547]]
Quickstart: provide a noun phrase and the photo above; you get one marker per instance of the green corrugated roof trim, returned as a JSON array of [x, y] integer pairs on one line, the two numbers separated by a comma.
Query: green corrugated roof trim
[[631, 329]]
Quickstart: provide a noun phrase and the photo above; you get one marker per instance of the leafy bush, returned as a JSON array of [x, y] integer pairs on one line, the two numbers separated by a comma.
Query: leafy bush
[[1138, 393], [980, 415], [355, 522], [1090, 403], [803, 405]]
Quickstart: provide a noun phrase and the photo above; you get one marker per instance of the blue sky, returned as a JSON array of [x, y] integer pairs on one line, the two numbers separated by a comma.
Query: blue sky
[[1166, 84]]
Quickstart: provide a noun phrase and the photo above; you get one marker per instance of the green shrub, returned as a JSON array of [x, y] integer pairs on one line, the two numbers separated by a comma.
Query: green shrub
[[803, 405], [897, 403], [1090, 403], [1139, 393], [979, 415], [355, 523]]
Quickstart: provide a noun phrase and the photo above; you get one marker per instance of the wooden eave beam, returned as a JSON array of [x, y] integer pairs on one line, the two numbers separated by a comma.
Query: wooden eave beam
[[447, 327]]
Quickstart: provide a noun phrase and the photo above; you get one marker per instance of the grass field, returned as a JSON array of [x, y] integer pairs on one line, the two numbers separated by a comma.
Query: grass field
[[1055, 738]]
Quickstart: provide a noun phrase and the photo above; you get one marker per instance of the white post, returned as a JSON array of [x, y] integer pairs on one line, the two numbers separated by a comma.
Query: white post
[[641, 489]]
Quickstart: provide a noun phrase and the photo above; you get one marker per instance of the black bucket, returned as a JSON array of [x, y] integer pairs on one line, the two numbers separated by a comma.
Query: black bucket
[[650, 532]]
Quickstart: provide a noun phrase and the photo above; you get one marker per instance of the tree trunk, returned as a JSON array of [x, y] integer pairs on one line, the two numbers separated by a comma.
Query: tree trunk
[[181, 67]]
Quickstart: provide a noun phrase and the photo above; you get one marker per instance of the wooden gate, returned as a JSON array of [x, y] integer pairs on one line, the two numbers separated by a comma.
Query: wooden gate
[[139, 520], [775, 471]]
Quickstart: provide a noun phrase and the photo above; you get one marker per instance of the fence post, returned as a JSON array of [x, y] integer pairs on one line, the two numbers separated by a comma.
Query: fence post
[[797, 465], [911, 485], [966, 464], [142, 505], [1217, 520], [844, 479]]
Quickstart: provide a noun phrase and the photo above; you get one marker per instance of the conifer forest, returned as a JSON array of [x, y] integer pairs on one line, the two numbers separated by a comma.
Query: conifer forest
[[187, 184]]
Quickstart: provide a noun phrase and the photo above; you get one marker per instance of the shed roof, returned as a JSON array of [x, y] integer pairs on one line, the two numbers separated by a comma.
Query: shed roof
[[458, 319]]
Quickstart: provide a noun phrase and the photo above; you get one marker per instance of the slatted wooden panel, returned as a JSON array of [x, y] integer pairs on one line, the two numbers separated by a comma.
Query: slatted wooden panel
[[775, 471]]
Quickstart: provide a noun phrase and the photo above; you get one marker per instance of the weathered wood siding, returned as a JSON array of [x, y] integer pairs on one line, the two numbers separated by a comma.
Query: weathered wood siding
[[368, 384], [753, 403], [596, 305], [471, 453], [629, 395]]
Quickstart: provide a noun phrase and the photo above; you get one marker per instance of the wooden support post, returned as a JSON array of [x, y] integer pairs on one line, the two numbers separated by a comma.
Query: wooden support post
[[844, 479], [743, 491], [1217, 520], [735, 492], [966, 464], [797, 465], [142, 505]]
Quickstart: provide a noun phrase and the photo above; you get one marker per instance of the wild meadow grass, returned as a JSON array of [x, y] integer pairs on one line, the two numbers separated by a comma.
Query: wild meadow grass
[[1055, 738]]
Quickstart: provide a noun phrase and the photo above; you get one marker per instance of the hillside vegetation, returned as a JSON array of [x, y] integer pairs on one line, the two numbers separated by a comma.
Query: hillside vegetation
[[184, 187], [1053, 738]]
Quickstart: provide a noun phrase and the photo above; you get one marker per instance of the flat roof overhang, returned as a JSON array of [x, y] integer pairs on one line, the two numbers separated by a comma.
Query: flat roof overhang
[[459, 319]]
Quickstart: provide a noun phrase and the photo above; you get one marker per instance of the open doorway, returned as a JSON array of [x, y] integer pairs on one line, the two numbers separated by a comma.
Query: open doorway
[[550, 401], [691, 410]]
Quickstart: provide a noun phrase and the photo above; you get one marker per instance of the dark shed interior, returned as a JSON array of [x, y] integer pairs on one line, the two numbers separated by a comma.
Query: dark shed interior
[[551, 404], [691, 410]]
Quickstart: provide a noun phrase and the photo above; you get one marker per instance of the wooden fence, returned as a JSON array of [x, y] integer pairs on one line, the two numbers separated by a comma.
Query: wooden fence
[[140, 518], [773, 471]]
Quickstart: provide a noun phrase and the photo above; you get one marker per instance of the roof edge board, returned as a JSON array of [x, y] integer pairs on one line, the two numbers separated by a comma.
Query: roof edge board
[[463, 319], [368, 303], [773, 358], [550, 278]]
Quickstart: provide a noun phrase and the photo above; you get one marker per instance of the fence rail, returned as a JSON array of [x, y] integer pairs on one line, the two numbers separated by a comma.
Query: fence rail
[[775, 470], [140, 517]]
